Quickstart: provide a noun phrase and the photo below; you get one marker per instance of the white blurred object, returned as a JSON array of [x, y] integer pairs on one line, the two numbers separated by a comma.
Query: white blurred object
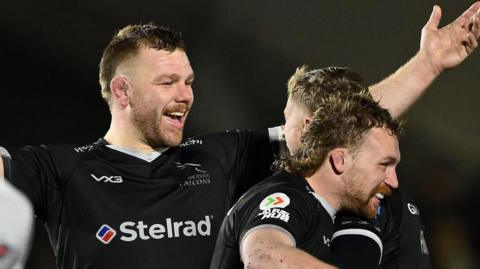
[[16, 227]]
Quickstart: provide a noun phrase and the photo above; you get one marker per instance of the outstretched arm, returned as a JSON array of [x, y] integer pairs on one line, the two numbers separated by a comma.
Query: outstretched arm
[[440, 49], [271, 248]]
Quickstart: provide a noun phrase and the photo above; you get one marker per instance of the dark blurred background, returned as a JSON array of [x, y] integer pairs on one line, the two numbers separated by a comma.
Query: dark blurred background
[[243, 52]]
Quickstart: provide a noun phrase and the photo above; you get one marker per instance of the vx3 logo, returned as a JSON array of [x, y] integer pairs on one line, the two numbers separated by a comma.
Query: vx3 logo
[[107, 179]]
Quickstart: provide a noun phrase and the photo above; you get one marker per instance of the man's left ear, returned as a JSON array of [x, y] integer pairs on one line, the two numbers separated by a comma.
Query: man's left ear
[[306, 123], [339, 160]]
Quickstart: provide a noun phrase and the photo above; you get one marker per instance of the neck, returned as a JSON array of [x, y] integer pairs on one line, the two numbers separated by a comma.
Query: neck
[[122, 134], [325, 183]]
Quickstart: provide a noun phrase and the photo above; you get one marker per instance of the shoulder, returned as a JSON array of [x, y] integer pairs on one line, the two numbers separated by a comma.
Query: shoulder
[[57, 148], [53, 157], [227, 136], [280, 190]]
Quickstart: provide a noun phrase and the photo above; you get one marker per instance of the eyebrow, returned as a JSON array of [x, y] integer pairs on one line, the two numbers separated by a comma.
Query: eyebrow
[[173, 76], [390, 160]]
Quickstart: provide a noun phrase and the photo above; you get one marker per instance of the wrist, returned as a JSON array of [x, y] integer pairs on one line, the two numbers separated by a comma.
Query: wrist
[[423, 62]]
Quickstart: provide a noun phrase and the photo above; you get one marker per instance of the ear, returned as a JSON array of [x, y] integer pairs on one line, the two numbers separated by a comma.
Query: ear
[[306, 122], [337, 159], [119, 86]]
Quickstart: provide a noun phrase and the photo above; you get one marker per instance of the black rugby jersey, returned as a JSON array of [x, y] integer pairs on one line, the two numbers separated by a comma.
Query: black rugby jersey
[[399, 228], [107, 209], [282, 201]]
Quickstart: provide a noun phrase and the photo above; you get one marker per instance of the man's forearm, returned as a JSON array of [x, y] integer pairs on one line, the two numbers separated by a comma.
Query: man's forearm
[[282, 256], [401, 89], [273, 249]]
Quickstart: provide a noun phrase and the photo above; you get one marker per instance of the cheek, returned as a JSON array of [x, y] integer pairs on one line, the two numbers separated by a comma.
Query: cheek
[[155, 102], [292, 137]]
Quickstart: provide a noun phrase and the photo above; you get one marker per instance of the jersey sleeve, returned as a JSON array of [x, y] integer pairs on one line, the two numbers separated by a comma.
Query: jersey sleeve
[[32, 170], [285, 210], [356, 242]]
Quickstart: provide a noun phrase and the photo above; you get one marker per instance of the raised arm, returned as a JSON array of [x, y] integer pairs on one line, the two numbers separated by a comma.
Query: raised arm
[[271, 248], [440, 49]]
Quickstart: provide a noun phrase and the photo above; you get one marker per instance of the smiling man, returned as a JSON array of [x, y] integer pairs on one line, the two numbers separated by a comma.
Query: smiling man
[[137, 198]]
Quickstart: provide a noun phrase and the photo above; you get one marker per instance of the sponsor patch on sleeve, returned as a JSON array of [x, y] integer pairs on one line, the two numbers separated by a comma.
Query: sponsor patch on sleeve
[[271, 205], [276, 200]]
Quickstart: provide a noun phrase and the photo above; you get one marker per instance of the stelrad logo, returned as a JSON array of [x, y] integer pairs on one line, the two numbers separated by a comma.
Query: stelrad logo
[[131, 230], [105, 234]]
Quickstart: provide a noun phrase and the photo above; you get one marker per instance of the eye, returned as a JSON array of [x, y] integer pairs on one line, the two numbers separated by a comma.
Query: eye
[[384, 165], [167, 83]]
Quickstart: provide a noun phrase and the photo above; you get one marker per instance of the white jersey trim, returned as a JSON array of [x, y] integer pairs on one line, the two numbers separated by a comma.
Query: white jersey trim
[[4, 152], [276, 134], [330, 209], [146, 156]]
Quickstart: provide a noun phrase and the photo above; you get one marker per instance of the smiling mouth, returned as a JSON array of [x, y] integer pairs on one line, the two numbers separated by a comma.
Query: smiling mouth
[[175, 115], [176, 118]]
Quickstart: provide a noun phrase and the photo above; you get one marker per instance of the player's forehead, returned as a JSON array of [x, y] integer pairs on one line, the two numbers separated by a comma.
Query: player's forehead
[[381, 143], [162, 62]]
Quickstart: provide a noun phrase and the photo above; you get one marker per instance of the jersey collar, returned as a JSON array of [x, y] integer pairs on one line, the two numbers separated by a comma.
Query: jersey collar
[[146, 156]]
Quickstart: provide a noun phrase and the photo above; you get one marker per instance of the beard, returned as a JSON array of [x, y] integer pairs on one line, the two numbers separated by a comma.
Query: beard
[[359, 201], [148, 123]]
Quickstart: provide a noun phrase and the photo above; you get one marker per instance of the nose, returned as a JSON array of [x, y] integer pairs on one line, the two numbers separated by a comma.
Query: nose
[[185, 94], [391, 179]]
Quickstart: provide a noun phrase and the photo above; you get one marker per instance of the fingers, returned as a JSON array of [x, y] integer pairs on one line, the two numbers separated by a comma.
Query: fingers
[[474, 25], [472, 43], [467, 15], [434, 19]]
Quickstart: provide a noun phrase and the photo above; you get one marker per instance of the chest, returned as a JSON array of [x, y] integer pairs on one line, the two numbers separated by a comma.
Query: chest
[[136, 209], [317, 241]]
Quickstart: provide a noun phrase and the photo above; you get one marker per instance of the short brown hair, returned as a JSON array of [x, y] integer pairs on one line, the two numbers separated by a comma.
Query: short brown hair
[[339, 121], [126, 42]]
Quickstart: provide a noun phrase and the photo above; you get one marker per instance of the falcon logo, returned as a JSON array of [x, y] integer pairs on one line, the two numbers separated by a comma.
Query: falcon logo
[[196, 174], [105, 234], [193, 165], [276, 200]]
